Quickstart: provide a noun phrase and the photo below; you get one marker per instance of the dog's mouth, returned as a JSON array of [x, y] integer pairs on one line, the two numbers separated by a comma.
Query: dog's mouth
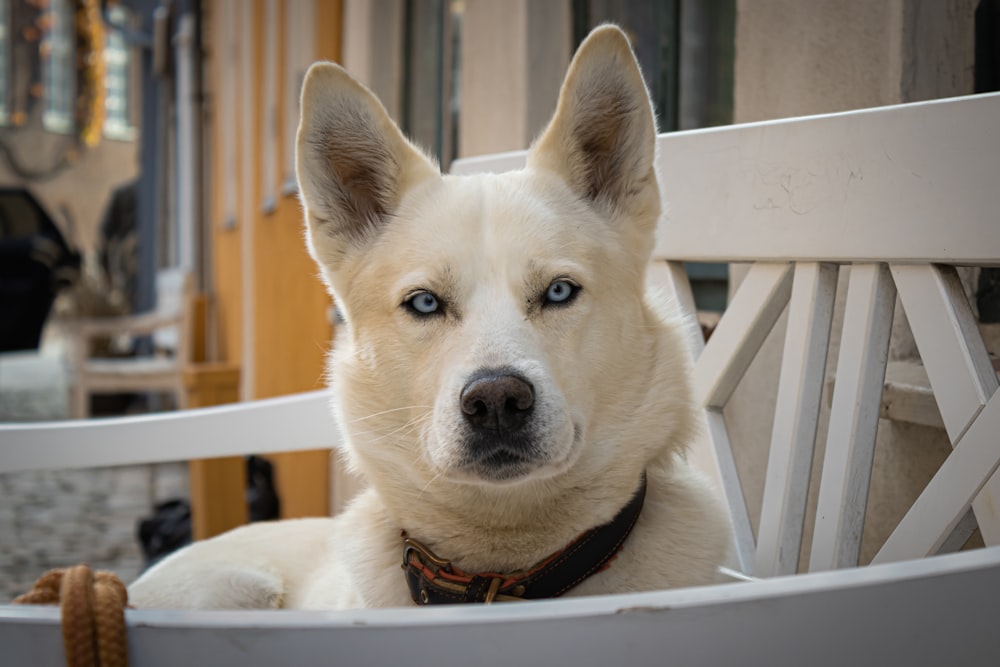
[[501, 461], [501, 466], [496, 459]]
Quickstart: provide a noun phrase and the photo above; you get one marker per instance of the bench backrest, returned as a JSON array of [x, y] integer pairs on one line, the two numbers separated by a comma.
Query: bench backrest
[[901, 194]]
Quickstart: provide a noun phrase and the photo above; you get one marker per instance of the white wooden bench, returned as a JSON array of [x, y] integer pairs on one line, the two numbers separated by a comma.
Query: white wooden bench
[[902, 194]]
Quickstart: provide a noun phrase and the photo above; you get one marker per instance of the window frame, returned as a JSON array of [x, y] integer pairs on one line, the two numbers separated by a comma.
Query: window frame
[[59, 69]]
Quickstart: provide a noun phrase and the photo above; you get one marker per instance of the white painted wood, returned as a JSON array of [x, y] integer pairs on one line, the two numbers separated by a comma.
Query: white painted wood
[[668, 285], [793, 438], [971, 465], [908, 397], [732, 488], [287, 423], [713, 457], [949, 342], [850, 443], [931, 612], [497, 163], [748, 319], [812, 188], [170, 328], [956, 360], [963, 530]]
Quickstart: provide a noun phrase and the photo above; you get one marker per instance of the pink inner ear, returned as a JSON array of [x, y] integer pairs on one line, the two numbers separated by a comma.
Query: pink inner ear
[[353, 160], [602, 138]]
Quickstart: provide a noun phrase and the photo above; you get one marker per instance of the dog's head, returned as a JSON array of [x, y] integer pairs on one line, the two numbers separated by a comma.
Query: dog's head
[[495, 325]]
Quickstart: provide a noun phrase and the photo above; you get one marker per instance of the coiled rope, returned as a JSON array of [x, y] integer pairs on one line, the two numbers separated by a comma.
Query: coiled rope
[[92, 606]]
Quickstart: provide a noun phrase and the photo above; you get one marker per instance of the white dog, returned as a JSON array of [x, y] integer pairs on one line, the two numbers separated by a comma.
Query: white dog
[[516, 405]]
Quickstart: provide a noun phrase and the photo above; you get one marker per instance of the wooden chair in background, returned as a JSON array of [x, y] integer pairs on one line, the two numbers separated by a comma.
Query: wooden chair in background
[[170, 328]]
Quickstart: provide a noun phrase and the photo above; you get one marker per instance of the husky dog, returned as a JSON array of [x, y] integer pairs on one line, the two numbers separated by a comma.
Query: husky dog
[[517, 405]]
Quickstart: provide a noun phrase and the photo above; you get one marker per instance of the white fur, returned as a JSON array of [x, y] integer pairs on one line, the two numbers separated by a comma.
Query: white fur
[[609, 371]]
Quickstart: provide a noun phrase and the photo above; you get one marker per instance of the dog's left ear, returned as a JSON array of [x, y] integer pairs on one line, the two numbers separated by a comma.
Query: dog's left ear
[[602, 139]]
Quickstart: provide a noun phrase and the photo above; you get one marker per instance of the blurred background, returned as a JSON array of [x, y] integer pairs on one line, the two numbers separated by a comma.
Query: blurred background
[[151, 252]]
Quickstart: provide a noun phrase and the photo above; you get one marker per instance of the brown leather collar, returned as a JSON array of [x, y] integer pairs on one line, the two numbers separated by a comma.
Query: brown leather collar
[[434, 580]]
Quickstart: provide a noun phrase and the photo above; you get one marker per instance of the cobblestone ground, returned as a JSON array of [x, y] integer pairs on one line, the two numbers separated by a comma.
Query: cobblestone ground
[[56, 518]]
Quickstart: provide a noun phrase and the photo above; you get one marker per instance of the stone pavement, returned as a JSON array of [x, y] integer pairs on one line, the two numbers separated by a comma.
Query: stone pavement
[[56, 518]]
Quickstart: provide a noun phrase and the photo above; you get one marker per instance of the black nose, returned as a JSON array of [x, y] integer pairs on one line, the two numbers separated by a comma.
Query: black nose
[[497, 401]]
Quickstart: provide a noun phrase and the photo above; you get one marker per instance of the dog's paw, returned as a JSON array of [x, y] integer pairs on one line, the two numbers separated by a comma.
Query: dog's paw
[[208, 586]]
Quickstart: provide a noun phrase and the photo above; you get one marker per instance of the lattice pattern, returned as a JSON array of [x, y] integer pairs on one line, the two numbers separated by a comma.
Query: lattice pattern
[[962, 377]]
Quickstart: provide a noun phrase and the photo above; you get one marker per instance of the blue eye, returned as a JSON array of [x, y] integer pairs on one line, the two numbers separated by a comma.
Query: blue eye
[[423, 303], [560, 292]]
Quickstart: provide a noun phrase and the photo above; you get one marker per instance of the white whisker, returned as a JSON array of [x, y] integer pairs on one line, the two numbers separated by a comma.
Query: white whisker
[[385, 412]]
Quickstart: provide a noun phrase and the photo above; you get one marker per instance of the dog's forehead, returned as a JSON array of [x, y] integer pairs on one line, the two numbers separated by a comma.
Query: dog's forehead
[[519, 212]]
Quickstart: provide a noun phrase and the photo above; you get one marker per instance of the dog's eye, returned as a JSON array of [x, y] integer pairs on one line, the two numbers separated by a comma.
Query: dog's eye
[[561, 292], [423, 303]]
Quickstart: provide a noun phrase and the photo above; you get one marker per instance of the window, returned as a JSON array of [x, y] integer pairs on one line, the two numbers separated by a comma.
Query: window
[[4, 61], [59, 52], [118, 76]]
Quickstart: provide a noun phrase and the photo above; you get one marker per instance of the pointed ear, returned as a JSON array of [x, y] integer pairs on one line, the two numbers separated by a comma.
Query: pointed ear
[[353, 163], [602, 139]]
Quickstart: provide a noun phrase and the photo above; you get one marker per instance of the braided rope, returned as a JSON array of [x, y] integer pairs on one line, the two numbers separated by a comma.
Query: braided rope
[[92, 606]]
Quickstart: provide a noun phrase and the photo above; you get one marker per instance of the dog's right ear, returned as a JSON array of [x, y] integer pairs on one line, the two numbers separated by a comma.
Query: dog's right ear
[[353, 162], [602, 138]]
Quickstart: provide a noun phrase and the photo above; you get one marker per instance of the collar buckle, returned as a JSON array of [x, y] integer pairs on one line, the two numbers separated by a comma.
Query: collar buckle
[[426, 555]]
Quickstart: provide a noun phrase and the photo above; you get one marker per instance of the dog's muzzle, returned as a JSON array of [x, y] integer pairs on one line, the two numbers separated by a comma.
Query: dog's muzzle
[[498, 406]]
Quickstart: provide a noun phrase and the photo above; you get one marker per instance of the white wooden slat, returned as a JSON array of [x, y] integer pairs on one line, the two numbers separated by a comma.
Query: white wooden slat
[[669, 281], [947, 336], [963, 530], [940, 507], [870, 185], [743, 540], [714, 457], [939, 611], [957, 362], [800, 386], [288, 423], [748, 319], [496, 163], [850, 444]]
